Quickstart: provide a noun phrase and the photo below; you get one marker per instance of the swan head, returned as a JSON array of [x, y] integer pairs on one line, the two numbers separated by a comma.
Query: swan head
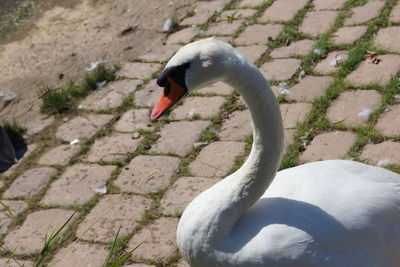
[[193, 67]]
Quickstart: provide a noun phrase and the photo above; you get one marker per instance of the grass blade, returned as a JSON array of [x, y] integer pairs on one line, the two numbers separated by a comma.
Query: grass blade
[[7, 208]]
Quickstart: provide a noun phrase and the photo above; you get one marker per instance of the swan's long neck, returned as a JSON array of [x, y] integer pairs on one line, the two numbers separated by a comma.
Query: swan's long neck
[[211, 217]]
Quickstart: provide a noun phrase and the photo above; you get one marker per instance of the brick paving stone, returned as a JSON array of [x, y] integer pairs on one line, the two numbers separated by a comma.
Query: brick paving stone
[[224, 27], [113, 147], [327, 65], [77, 184], [258, 34], [288, 139], [367, 73], [388, 38], [30, 183], [178, 137], [236, 14], [133, 120], [330, 145], [138, 265], [160, 53], [328, 4], [82, 126], [30, 149], [297, 48], [30, 237], [205, 107], [81, 255], [252, 52], [218, 88], [362, 14], [348, 105], [183, 191], [389, 122], [203, 11], [294, 113], [216, 159], [183, 36], [196, 19], [111, 96], [60, 155], [149, 95], [16, 206], [324, 20], [382, 154], [159, 240], [113, 213], [283, 10], [348, 35], [7, 262], [183, 263], [309, 88], [251, 3], [237, 127], [395, 14], [145, 174], [138, 70], [280, 69]]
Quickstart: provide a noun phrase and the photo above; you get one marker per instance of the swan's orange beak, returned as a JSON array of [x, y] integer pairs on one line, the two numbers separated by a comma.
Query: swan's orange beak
[[171, 94]]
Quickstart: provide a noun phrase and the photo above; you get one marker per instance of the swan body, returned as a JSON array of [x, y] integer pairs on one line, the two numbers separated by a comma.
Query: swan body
[[327, 213]]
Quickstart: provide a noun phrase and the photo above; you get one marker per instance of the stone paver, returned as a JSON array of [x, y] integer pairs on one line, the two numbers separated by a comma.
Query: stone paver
[[183, 191], [183, 36], [183, 263], [294, 113], [15, 206], [332, 62], [236, 14], [330, 145], [328, 4], [8, 262], [82, 126], [30, 149], [251, 3], [218, 88], [205, 107], [113, 212], [237, 127], [382, 154], [178, 137], [365, 13], [283, 10], [252, 52], [30, 183], [29, 238], [160, 53], [288, 139], [350, 106], [388, 38], [297, 48], [77, 184], [149, 95], [59, 155], [309, 88], [110, 96], [203, 11], [138, 265], [258, 34], [145, 174], [158, 240], [395, 14], [348, 35], [367, 72], [224, 27], [113, 147], [324, 20], [389, 122], [133, 120], [216, 159], [81, 255], [138, 70], [280, 69]]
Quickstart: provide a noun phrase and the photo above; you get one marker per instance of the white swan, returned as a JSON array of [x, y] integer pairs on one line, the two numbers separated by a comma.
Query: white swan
[[328, 213]]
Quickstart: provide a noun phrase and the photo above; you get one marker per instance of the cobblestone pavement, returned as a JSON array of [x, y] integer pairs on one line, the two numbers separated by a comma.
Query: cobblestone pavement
[[131, 174]]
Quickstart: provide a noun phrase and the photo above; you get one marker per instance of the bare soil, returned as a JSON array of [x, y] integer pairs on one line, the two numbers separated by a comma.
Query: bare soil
[[64, 38]]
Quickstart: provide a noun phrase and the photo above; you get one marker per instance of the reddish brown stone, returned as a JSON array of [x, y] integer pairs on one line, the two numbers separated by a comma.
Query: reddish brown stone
[[149, 95], [133, 120], [81, 255], [328, 4], [183, 36], [298, 48], [280, 69], [309, 88], [388, 38], [395, 14], [160, 53], [60, 155], [205, 107], [294, 113], [251, 3], [365, 13], [237, 127], [283, 10], [236, 14], [258, 34], [348, 35], [138, 70], [15, 206], [253, 52], [383, 154], [324, 20], [224, 27], [389, 121], [332, 62], [10, 262]]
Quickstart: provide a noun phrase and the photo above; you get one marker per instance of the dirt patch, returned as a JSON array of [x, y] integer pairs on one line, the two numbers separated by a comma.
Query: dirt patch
[[64, 39]]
